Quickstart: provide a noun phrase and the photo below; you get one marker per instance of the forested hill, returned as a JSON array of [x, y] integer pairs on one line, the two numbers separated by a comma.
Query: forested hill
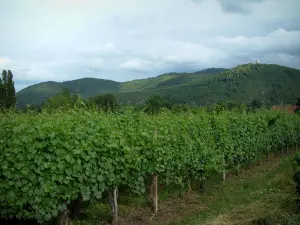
[[269, 83], [86, 87]]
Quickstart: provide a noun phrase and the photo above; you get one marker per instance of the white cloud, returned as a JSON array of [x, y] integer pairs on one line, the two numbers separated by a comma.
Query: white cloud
[[5, 61], [136, 65], [34, 72], [87, 70], [191, 52], [95, 63], [110, 46]]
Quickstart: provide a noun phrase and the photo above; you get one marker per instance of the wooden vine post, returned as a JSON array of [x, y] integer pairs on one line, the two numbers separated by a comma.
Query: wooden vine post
[[64, 219], [224, 170], [224, 175], [154, 184], [113, 202], [155, 194], [115, 217], [189, 185]]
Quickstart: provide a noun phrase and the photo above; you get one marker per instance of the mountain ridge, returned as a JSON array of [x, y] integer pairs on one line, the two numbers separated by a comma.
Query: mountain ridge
[[203, 87]]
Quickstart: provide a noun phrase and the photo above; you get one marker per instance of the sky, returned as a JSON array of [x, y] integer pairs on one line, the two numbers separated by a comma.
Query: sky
[[121, 40]]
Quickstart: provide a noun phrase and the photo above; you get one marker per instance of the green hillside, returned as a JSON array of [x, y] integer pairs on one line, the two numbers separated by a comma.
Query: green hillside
[[86, 87], [37, 93], [168, 79], [269, 83]]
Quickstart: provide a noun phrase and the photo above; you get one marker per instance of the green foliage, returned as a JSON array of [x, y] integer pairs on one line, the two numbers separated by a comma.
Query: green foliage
[[105, 101], [219, 108], [296, 176], [65, 99], [51, 158], [255, 105], [155, 103]]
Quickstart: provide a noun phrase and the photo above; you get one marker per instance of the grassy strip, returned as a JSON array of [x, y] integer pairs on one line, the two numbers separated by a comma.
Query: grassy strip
[[262, 195]]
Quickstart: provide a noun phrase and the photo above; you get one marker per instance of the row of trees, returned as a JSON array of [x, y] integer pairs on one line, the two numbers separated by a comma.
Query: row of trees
[[153, 105], [156, 103], [67, 99], [7, 90]]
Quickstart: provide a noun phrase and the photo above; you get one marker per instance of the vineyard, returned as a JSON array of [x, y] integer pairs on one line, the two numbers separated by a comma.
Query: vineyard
[[50, 159]]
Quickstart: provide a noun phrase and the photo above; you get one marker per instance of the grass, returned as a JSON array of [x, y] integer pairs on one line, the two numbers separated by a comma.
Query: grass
[[261, 195]]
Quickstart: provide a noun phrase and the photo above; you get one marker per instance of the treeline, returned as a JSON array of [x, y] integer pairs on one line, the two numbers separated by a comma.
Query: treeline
[[7, 90], [68, 100], [153, 105], [108, 102]]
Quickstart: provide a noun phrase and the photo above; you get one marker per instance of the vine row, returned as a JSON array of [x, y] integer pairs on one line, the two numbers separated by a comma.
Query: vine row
[[50, 159]]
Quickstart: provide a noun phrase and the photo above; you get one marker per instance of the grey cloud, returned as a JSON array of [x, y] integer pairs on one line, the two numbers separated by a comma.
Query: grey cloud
[[277, 42], [234, 6]]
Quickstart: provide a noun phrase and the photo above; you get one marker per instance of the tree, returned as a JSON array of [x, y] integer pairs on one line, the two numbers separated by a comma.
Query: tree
[[2, 94], [180, 107], [255, 104], [4, 88], [154, 104], [297, 110], [10, 91], [7, 90], [105, 101], [219, 108], [64, 99]]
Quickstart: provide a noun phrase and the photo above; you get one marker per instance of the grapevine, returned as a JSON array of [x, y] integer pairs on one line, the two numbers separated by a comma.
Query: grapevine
[[52, 158]]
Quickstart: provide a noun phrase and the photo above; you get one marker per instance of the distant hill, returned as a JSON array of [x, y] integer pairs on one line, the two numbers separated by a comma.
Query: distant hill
[[271, 84], [38, 93]]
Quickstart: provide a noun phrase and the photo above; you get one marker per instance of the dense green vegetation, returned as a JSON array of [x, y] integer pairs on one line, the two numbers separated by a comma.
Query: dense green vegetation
[[297, 173], [168, 79], [50, 159], [269, 84]]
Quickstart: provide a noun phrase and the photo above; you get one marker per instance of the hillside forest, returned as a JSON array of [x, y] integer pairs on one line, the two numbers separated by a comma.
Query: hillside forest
[[267, 84]]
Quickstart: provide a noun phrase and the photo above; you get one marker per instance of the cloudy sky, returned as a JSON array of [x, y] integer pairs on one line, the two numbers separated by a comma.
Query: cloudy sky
[[121, 40]]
